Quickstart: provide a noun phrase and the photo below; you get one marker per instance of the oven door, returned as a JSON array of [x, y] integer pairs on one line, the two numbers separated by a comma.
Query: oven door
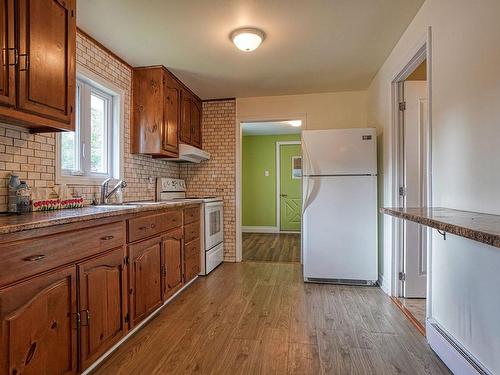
[[214, 224]]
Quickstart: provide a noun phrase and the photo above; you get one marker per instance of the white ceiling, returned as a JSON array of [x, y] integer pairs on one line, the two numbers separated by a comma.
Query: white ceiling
[[269, 128], [310, 46]]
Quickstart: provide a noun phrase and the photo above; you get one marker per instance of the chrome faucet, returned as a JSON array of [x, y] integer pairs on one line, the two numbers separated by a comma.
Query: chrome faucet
[[104, 189]]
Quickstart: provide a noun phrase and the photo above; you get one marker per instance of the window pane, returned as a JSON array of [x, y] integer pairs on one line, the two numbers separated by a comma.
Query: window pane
[[98, 134], [68, 151]]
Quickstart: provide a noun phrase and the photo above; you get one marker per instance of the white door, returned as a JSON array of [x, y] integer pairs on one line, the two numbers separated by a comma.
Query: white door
[[339, 227], [415, 168], [339, 152]]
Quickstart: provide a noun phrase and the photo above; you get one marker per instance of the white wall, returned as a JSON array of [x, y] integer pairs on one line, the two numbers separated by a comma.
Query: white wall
[[466, 155], [323, 111]]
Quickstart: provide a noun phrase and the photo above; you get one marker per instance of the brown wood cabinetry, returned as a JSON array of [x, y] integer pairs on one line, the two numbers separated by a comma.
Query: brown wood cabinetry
[[172, 256], [37, 79], [102, 304], [190, 119], [38, 325], [145, 274], [164, 113], [68, 293]]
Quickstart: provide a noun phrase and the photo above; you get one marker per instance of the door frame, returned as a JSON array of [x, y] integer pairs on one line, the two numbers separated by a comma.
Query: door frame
[[421, 52], [278, 183], [239, 135]]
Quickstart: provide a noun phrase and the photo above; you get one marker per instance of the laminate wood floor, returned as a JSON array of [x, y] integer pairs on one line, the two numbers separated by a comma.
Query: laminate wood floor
[[271, 247], [260, 318], [416, 306]]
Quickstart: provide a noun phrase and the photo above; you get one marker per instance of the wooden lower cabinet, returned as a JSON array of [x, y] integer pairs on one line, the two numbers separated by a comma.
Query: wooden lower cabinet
[[38, 325], [172, 256], [102, 303], [145, 274]]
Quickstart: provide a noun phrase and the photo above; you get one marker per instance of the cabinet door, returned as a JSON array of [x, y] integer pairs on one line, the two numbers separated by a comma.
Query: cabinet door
[[172, 255], [185, 134], [102, 304], [171, 120], [46, 68], [38, 325], [145, 279], [195, 124], [7, 69], [191, 260]]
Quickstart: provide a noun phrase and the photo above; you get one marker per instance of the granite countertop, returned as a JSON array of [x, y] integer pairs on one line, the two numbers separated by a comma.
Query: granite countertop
[[35, 220], [476, 226]]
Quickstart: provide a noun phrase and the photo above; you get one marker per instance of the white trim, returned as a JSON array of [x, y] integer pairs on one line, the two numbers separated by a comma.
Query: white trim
[[383, 284], [135, 329], [239, 134], [451, 352], [420, 52], [259, 229], [118, 132], [278, 178]]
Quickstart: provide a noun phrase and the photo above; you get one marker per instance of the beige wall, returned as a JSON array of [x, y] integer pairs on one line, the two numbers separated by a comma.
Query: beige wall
[[466, 154], [323, 111]]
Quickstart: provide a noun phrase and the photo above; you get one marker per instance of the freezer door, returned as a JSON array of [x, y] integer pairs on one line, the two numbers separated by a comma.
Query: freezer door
[[339, 230], [339, 151]]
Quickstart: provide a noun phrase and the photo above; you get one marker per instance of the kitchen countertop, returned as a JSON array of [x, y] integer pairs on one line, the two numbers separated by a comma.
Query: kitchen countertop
[[35, 220], [475, 226]]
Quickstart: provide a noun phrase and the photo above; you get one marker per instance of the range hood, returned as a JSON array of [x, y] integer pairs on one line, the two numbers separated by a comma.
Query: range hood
[[188, 153]]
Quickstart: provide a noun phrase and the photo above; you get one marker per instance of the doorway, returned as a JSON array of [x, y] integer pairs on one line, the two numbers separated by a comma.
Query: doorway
[[271, 191], [414, 191]]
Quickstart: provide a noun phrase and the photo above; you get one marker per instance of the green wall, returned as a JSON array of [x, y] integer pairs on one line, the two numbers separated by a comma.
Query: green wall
[[259, 191]]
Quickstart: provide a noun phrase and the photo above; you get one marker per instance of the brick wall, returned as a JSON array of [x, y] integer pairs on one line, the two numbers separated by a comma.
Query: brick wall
[[33, 155], [218, 175]]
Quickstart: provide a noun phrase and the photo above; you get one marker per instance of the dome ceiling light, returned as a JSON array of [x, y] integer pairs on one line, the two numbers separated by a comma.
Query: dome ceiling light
[[295, 123], [247, 39]]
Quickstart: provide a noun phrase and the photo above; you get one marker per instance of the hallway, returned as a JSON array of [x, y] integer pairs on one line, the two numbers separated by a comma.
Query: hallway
[[260, 318], [271, 247]]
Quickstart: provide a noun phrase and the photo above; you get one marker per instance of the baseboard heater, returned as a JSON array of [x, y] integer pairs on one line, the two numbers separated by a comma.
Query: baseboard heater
[[451, 352], [340, 281]]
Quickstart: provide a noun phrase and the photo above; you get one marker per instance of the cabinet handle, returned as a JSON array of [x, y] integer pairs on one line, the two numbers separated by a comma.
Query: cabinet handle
[[34, 258], [152, 226], [107, 238]]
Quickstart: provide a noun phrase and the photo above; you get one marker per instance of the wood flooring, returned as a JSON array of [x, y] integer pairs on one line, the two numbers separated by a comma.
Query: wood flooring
[[261, 318], [271, 247], [415, 308]]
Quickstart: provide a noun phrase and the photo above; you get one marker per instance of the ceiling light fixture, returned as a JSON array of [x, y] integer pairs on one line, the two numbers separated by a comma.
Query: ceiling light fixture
[[247, 39], [295, 123]]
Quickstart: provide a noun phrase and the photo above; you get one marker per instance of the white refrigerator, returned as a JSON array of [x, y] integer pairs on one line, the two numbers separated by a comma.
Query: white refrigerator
[[339, 221]]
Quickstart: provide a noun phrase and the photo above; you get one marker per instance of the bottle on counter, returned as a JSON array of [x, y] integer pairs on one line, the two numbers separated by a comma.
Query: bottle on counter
[[13, 184], [23, 198]]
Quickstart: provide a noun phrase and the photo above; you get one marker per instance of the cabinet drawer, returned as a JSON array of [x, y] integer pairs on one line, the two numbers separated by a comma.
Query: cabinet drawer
[[191, 215], [191, 231], [191, 267], [147, 226], [192, 248], [26, 258]]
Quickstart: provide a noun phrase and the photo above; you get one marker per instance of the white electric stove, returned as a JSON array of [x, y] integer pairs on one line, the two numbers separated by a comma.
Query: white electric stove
[[211, 221]]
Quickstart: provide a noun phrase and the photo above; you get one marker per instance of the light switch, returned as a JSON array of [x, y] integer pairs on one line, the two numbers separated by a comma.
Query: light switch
[[266, 173]]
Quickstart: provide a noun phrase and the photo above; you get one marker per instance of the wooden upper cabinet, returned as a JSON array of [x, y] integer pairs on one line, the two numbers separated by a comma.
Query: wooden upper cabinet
[[190, 119], [172, 255], [102, 303], [7, 70], [38, 325], [42, 54], [171, 115], [165, 113], [145, 273]]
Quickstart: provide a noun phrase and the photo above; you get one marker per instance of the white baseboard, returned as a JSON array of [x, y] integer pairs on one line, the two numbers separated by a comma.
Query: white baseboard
[[383, 285], [451, 352], [257, 229]]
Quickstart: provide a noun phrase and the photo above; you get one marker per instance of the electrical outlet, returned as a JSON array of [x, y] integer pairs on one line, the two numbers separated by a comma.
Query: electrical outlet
[[266, 173]]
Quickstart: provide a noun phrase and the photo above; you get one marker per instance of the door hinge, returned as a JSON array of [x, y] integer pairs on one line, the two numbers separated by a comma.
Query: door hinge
[[127, 318], [127, 260], [402, 106], [402, 191], [78, 320], [164, 270], [402, 276]]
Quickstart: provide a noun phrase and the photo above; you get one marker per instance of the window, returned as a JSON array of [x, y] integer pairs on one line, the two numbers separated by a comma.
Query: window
[[91, 153]]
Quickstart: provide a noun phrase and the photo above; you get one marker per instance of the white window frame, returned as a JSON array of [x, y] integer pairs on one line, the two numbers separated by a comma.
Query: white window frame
[[89, 82]]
